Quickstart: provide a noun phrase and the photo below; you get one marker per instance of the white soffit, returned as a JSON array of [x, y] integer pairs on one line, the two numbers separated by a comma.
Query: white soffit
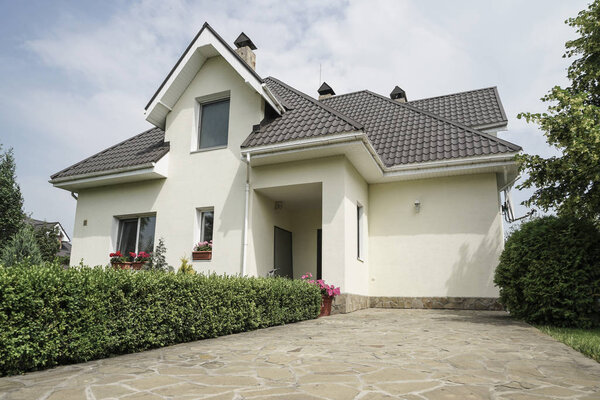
[[205, 45]]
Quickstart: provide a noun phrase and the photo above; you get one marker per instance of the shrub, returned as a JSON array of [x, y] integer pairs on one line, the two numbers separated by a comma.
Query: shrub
[[549, 272], [50, 315], [22, 248], [158, 260]]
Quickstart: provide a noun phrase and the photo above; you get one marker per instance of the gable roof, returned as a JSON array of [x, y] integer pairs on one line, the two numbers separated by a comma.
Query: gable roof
[[403, 134], [207, 43], [304, 118], [139, 151], [479, 108]]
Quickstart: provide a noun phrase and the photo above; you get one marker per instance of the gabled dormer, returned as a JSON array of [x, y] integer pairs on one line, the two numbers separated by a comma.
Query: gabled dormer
[[205, 45]]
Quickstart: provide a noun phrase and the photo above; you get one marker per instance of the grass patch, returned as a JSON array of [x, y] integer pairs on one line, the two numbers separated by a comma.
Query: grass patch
[[586, 341]]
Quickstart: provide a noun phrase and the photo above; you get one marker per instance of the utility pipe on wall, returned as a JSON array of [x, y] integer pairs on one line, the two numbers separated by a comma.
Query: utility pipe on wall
[[245, 245]]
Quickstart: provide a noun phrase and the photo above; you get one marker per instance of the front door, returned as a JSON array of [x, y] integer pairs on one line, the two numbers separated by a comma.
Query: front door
[[283, 253]]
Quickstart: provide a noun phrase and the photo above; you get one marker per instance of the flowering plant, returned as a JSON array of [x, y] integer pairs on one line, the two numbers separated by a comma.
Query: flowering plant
[[326, 290], [141, 256], [116, 257], [203, 246]]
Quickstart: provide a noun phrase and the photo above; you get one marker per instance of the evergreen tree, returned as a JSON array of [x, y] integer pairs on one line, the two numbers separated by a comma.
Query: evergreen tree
[[11, 200], [158, 261], [22, 248], [48, 241]]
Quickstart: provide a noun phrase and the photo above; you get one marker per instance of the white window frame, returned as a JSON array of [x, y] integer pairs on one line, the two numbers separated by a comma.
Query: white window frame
[[200, 101], [199, 231], [137, 229], [360, 239]]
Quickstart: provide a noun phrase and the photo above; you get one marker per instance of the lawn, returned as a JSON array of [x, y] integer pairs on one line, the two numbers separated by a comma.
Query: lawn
[[586, 341]]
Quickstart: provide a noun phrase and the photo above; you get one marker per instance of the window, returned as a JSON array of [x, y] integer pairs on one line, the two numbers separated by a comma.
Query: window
[[359, 231], [206, 225], [213, 124], [136, 234]]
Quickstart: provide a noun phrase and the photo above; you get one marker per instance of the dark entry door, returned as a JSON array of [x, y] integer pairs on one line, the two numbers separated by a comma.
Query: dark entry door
[[283, 253]]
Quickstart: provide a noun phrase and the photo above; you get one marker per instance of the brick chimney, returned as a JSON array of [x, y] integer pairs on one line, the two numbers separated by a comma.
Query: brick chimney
[[325, 91], [244, 48], [399, 95]]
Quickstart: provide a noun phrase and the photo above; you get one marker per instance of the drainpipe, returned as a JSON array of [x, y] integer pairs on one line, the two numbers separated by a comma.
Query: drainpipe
[[245, 245]]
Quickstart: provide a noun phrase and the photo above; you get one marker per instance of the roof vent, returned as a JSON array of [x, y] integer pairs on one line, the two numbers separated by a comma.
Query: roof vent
[[325, 91], [398, 95], [244, 49]]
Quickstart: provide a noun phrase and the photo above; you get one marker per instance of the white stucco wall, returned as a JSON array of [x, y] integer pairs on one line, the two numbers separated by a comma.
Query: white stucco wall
[[342, 188], [212, 178], [449, 248]]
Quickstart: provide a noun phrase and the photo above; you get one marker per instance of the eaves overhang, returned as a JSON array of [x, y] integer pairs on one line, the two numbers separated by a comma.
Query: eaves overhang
[[136, 173]]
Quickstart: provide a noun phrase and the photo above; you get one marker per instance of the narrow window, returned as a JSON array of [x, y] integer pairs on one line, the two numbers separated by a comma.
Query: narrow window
[[206, 225], [136, 234], [359, 231], [214, 124]]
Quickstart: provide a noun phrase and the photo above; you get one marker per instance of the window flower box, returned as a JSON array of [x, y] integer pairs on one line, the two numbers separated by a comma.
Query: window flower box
[[202, 251], [201, 255], [134, 261]]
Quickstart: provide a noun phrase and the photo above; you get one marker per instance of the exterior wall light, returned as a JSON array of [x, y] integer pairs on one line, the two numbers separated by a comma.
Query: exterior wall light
[[417, 205]]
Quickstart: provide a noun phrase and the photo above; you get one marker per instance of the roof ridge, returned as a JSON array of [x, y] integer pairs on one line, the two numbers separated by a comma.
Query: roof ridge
[[102, 152], [454, 94], [331, 110], [459, 125], [342, 95]]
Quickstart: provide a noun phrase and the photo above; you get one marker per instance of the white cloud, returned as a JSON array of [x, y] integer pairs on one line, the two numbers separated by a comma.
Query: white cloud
[[100, 75]]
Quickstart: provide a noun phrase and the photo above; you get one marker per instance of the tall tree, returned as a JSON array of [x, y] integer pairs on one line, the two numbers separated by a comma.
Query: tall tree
[[570, 183], [11, 200]]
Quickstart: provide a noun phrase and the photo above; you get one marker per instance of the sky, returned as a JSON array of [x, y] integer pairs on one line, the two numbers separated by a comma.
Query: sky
[[75, 75]]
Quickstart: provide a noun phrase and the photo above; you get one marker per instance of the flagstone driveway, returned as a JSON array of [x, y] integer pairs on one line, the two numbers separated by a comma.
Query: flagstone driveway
[[369, 354]]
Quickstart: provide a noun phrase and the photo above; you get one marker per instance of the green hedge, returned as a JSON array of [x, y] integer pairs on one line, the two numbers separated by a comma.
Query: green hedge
[[549, 272], [51, 316]]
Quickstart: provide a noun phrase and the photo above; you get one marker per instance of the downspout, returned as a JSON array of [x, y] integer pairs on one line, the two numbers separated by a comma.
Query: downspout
[[245, 245], [73, 195]]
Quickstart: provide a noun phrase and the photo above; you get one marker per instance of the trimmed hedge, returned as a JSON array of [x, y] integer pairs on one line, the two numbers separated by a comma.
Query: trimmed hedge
[[549, 272], [51, 316]]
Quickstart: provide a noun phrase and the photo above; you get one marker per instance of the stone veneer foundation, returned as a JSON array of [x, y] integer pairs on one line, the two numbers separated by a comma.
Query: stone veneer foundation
[[347, 303]]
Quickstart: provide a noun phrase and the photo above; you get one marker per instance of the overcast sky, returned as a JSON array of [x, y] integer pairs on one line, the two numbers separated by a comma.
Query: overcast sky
[[75, 75]]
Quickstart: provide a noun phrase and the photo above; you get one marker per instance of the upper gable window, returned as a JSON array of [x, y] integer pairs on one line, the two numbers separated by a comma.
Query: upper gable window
[[213, 124]]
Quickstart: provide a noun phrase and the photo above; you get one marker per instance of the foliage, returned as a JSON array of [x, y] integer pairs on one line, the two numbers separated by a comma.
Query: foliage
[[570, 183], [63, 260], [21, 249], [549, 272], [158, 261], [117, 257], [48, 241], [326, 290], [186, 267], [50, 315], [586, 341], [203, 246], [11, 200]]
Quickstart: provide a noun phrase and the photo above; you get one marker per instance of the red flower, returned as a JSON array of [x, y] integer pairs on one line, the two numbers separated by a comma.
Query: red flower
[[131, 254]]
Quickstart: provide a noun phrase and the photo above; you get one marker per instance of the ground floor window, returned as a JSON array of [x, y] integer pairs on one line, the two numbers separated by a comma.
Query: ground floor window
[[136, 234], [206, 217], [359, 231]]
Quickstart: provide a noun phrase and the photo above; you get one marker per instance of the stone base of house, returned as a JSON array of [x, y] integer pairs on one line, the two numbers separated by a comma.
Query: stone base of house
[[347, 302]]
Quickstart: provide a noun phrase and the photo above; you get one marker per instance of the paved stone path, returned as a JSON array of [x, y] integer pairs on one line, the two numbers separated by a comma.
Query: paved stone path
[[369, 354]]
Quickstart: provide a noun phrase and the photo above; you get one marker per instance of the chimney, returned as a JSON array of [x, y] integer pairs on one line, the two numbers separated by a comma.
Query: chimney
[[398, 95], [325, 91], [244, 47]]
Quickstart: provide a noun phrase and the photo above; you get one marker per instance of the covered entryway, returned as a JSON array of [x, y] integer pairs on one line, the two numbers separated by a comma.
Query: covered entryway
[[286, 221]]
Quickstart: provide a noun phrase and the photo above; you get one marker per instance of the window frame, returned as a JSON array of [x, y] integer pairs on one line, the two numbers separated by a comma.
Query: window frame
[[360, 212], [200, 103], [138, 217], [202, 225]]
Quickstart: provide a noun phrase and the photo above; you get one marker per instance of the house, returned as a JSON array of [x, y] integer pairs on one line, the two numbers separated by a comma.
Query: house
[[396, 201], [63, 237]]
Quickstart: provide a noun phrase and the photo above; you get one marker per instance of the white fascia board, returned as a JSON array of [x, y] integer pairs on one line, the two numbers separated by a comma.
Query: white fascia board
[[156, 170], [206, 44], [409, 171]]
